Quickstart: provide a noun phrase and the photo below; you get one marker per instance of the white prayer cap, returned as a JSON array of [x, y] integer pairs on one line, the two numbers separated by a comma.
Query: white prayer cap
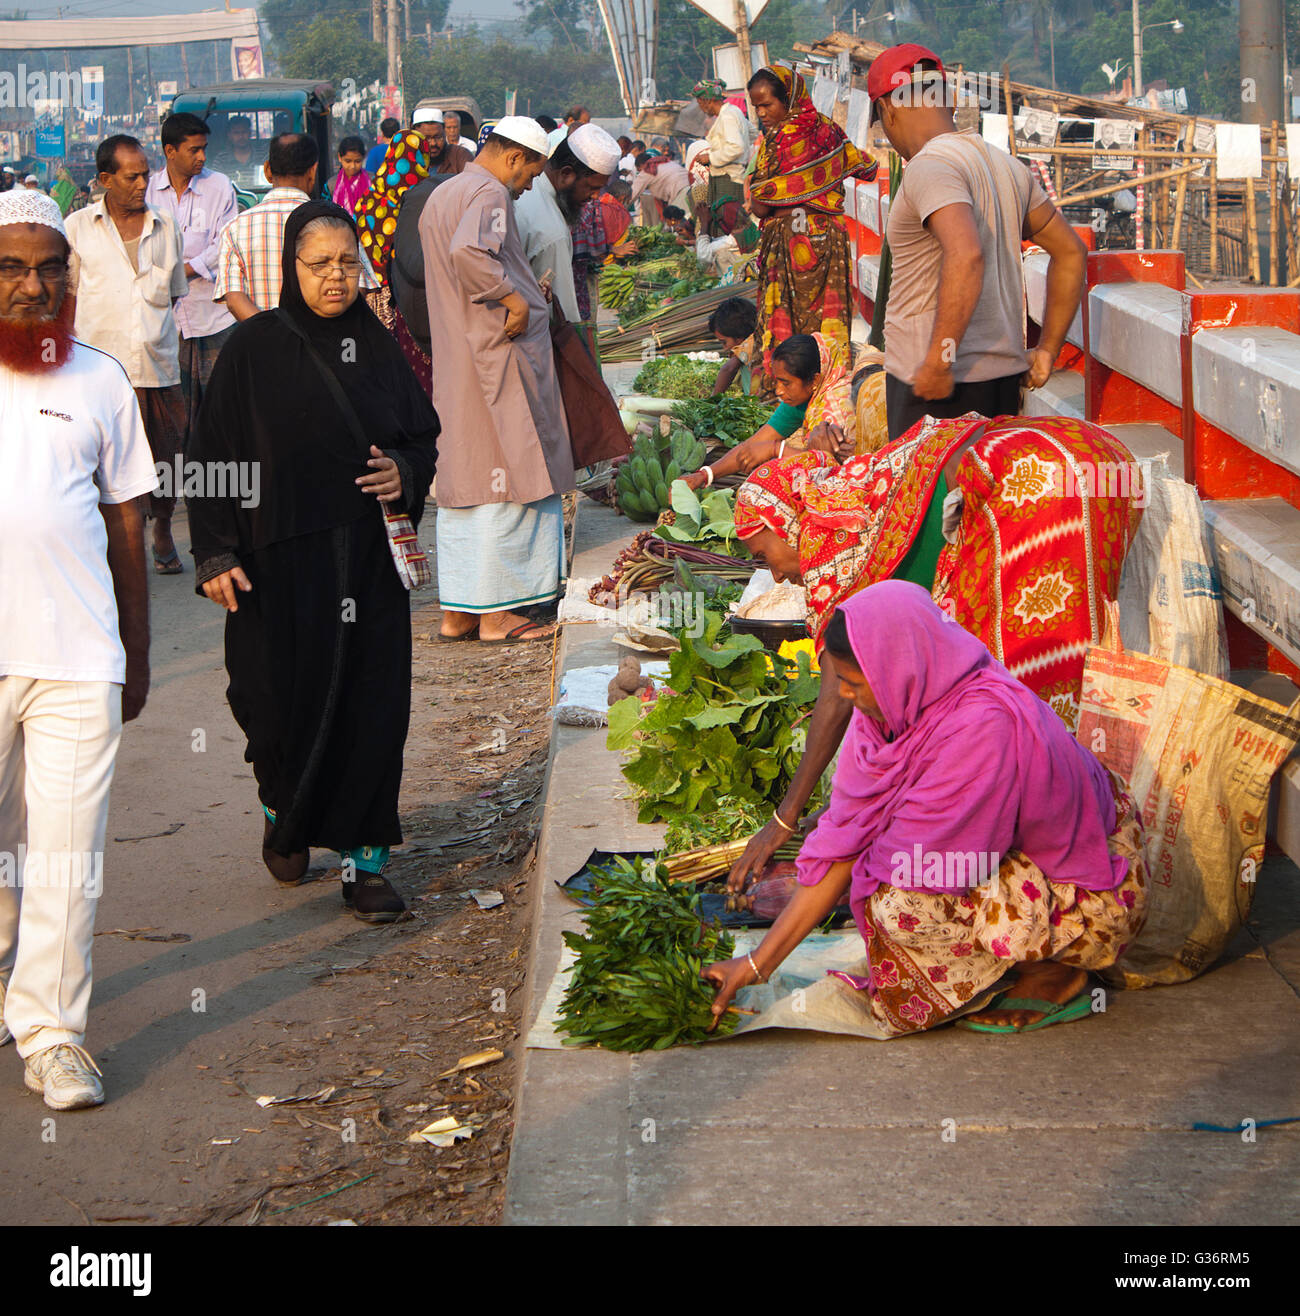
[[31, 178], [595, 148], [429, 114], [23, 206], [523, 131]]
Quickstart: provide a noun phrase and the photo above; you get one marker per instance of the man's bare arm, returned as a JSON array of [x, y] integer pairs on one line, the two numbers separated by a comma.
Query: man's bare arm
[[125, 525], [241, 305], [1067, 265]]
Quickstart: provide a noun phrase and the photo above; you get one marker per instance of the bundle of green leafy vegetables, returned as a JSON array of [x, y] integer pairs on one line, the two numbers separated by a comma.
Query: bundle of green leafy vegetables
[[652, 243], [636, 982], [676, 377], [729, 419], [727, 729], [708, 523]]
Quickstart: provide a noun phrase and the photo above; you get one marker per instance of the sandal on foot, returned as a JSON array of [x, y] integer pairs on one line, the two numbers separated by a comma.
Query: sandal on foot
[[372, 899], [287, 869], [169, 564], [471, 634], [519, 635], [1053, 1012]]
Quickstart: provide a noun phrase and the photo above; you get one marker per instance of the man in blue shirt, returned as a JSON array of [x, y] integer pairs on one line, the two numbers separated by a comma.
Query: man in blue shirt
[[375, 156]]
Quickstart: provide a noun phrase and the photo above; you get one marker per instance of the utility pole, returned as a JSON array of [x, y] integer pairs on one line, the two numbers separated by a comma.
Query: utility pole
[[376, 20], [1260, 31], [408, 21], [1051, 43], [428, 33], [1137, 51], [392, 42]]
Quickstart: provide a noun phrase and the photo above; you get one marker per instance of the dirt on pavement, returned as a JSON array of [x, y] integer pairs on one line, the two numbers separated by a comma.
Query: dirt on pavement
[[215, 987]]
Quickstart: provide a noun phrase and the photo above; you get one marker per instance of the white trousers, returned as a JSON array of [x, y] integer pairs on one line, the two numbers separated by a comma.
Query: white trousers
[[58, 743]]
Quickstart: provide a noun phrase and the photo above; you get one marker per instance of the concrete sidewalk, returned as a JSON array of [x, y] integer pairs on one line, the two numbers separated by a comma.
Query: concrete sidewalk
[[1088, 1123]]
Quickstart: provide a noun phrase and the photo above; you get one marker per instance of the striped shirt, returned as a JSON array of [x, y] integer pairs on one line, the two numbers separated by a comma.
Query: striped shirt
[[252, 250]]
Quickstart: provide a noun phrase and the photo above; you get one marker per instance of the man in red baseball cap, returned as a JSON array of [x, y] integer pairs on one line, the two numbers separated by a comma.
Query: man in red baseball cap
[[893, 69], [955, 321]]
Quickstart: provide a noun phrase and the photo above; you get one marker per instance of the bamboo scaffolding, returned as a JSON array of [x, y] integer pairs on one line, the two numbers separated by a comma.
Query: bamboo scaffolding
[[1214, 219], [1252, 231], [1180, 201], [1272, 212]]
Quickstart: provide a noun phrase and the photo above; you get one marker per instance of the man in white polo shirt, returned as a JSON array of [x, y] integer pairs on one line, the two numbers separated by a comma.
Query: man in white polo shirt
[[74, 642]]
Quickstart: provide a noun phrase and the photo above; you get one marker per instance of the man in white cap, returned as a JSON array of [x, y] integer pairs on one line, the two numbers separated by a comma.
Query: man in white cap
[[578, 171], [504, 458], [428, 121], [74, 641], [32, 183]]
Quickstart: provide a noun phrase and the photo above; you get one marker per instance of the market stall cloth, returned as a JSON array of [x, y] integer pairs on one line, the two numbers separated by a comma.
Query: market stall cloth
[[800, 994], [584, 700]]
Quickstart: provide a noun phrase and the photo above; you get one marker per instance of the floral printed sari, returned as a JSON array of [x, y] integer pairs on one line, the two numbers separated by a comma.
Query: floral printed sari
[[803, 259]]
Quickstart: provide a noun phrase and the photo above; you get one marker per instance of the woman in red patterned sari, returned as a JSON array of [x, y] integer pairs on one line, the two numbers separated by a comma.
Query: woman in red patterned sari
[[797, 192], [1018, 527]]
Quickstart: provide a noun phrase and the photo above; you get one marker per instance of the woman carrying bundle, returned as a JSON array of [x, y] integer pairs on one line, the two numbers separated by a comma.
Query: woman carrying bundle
[[1004, 522], [797, 192], [948, 757]]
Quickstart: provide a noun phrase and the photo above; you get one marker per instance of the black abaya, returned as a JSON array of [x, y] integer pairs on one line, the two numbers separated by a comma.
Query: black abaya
[[319, 653]]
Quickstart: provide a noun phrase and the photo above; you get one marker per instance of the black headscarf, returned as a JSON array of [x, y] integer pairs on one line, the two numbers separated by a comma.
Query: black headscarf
[[268, 403]]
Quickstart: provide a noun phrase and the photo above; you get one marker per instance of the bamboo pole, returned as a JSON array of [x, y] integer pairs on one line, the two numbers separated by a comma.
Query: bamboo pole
[[1288, 218], [1272, 216], [1214, 218], [1128, 182], [1180, 200], [1252, 232]]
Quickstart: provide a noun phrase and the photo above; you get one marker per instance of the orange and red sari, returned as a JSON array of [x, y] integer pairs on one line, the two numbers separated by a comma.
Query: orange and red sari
[[803, 255], [1028, 568]]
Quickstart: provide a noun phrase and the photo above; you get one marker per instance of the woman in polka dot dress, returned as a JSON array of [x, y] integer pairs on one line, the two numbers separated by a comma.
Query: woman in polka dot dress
[[406, 163]]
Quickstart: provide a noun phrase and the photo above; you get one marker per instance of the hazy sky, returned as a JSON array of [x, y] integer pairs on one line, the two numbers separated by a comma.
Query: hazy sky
[[124, 8]]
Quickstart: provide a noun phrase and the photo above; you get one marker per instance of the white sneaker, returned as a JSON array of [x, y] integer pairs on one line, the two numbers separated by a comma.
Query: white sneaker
[[65, 1076]]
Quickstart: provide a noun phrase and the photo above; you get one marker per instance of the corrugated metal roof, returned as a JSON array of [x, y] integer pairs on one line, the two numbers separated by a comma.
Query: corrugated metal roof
[[158, 30]]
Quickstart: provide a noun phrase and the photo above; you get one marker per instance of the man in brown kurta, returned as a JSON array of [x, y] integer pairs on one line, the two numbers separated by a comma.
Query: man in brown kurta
[[504, 458]]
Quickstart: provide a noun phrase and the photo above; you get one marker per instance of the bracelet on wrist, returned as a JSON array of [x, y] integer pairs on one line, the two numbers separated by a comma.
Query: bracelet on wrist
[[749, 956], [776, 815], [708, 475]]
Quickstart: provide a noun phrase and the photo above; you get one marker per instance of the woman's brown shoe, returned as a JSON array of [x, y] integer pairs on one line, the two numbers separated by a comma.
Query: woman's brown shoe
[[288, 870]]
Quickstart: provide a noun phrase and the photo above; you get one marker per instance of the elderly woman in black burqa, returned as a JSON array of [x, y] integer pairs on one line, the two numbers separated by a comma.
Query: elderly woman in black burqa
[[318, 626]]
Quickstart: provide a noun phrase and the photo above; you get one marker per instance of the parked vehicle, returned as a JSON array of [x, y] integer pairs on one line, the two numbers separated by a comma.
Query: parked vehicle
[[245, 115]]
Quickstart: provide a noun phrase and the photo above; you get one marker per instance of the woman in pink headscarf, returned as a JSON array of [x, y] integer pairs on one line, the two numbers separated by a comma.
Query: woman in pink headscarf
[[972, 834]]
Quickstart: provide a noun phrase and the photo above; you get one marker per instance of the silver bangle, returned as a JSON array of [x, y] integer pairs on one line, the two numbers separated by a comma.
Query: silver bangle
[[752, 965], [708, 475]]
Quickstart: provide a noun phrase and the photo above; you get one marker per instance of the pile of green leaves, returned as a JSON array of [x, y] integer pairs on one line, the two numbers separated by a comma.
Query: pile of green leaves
[[728, 730], [636, 982], [730, 819], [676, 377], [652, 243], [730, 419], [708, 522]]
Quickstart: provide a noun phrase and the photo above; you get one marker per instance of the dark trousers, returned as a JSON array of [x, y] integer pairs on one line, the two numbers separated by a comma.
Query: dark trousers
[[990, 397]]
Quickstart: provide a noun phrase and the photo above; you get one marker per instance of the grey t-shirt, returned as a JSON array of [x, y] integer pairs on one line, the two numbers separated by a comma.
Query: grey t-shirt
[[952, 168]]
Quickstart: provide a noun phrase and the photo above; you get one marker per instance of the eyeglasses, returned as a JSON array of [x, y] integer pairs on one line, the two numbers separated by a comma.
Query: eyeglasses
[[349, 268], [50, 271]]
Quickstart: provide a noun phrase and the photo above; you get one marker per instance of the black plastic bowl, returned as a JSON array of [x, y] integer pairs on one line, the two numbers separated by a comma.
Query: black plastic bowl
[[773, 634]]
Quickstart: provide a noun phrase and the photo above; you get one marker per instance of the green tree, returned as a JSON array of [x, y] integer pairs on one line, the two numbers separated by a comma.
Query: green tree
[[334, 48]]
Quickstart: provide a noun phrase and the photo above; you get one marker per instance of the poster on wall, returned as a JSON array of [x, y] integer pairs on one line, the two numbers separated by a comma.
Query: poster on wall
[[51, 141], [246, 57], [1113, 135], [1036, 129]]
